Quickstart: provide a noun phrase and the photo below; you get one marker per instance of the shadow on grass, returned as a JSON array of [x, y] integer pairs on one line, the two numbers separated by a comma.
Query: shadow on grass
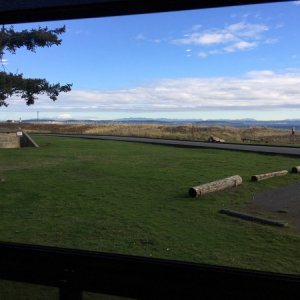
[[184, 196]]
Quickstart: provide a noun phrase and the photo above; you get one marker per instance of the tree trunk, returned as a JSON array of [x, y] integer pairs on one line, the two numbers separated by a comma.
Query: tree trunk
[[268, 175], [215, 186]]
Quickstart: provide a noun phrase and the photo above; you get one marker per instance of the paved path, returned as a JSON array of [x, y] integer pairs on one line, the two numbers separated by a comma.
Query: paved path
[[239, 147]]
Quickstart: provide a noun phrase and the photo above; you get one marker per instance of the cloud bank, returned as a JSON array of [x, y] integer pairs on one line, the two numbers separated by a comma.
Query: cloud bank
[[235, 37], [256, 90]]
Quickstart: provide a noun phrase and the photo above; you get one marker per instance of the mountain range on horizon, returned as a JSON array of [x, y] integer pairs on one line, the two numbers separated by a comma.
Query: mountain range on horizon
[[133, 119]]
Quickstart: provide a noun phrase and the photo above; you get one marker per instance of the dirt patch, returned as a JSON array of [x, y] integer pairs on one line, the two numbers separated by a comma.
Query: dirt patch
[[284, 201]]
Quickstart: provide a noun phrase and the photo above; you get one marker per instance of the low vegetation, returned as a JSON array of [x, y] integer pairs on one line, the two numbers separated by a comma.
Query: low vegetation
[[181, 132], [133, 198]]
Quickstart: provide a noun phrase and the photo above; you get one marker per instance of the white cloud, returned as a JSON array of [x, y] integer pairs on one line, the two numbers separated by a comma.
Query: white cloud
[[280, 25], [143, 38], [249, 30], [256, 90], [270, 41], [65, 116], [197, 27], [188, 52], [205, 39], [241, 45], [296, 2], [140, 37], [234, 37], [201, 39], [260, 74], [3, 61], [202, 54]]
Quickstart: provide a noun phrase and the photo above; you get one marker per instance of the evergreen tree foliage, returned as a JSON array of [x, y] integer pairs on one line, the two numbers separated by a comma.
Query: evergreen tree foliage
[[28, 88]]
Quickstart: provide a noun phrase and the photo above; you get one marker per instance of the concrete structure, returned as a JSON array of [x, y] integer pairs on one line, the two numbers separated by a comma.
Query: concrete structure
[[10, 138], [27, 141]]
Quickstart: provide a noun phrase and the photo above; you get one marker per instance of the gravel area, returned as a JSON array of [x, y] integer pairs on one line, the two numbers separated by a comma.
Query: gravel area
[[284, 201]]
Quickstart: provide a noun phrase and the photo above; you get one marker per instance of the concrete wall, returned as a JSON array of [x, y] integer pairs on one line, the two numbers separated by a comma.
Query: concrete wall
[[27, 141], [9, 140]]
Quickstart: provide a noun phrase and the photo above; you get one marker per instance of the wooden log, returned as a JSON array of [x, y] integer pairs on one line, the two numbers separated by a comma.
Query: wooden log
[[296, 169], [268, 175], [214, 186], [252, 218], [215, 139]]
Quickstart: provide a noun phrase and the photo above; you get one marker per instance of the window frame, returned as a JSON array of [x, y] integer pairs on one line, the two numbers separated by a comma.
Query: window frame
[[74, 271]]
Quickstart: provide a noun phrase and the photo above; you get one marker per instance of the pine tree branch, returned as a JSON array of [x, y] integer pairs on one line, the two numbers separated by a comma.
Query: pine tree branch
[[11, 40], [28, 88]]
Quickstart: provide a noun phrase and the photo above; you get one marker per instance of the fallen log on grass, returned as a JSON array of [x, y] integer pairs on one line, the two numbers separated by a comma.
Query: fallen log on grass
[[214, 186], [268, 175], [296, 169], [252, 218], [215, 139]]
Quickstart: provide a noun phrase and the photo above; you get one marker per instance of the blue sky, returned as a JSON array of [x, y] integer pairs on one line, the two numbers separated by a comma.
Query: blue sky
[[234, 62]]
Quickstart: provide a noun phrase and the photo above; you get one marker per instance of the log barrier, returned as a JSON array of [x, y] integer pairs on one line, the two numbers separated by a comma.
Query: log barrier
[[252, 218], [214, 186], [268, 175], [296, 169]]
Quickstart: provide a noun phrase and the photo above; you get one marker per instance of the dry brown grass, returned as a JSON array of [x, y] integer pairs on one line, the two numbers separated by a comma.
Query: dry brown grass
[[181, 132]]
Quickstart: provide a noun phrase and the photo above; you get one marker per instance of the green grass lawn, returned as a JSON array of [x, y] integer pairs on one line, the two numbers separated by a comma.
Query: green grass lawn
[[133, 198]]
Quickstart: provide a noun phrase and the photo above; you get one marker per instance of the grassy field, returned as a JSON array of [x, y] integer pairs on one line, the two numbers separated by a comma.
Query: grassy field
[[132, 198]]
